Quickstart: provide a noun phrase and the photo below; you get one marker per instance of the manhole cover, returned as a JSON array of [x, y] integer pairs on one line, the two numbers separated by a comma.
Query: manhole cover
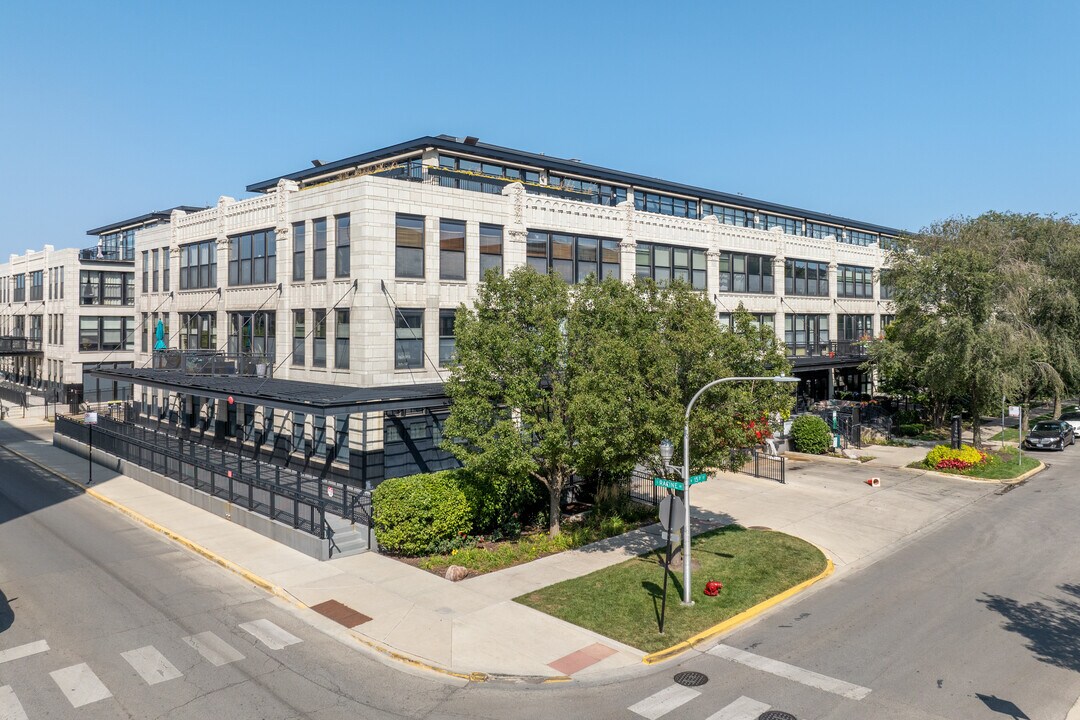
[[776, 715], [691, 679]]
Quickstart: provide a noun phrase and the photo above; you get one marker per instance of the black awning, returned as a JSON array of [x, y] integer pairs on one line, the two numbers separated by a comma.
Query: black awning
[[290, 395]]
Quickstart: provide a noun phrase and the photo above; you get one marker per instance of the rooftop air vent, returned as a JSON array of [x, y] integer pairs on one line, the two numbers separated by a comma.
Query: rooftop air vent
[[471, 140]]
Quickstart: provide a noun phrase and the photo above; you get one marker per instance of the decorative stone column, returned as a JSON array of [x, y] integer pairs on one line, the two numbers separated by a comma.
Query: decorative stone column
[[515, 232]]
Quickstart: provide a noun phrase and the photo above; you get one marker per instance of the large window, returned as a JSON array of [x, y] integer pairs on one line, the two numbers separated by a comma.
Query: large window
[[805, 277], [198, 331], [164, 270], [477, 184], [146, 271], [106, 333], [790, 226], [573, 257], [253, 333], [853, 281], [817, 230], [806, 335], [198, 265], [318, 339], [37, 285], [409, 238], [253, 258], [886, 288], [298, 432], [20, 288], [342, 240], [106, 288], [299, 337], [854, 328], [729, 215], [318, 249], [857, 237], [341, 438], [740, 272], [446, 337], [452, 249], [764, 322], [299, 240], [154, 273], [491, 249], [665, 204], [341, 339], [665, 263], [409, 340], [602, 193]]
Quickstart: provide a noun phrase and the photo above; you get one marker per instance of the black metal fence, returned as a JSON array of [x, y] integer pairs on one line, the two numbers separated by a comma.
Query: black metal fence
[[642, 488], [13, 396], [262, 488], [771, 467]]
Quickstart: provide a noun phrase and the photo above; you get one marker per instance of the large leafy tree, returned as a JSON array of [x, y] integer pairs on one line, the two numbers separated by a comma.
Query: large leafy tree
[[556, 382]]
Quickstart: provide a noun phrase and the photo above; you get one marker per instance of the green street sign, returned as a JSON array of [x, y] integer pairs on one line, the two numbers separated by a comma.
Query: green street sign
[[695, 479], [670, 484]]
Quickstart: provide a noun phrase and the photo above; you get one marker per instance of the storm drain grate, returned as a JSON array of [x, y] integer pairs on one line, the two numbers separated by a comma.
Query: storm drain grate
[[776, 715], [691, 679], [341, 613]]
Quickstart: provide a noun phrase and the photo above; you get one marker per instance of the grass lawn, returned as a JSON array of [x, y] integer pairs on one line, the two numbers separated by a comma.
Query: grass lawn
[[490, 556], [1010, 435], [1005, 466], [623, 601]]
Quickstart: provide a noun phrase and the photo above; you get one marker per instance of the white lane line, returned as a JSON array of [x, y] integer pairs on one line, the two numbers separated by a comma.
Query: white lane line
[[22, 651], [791, 672], [80, 685], [10, 707], [742, 709], [270, 634], [151, 665], [661, 703], [213, 648]]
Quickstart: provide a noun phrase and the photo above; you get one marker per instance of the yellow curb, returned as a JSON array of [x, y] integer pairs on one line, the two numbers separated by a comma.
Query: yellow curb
[[735, 621], [255, 579]]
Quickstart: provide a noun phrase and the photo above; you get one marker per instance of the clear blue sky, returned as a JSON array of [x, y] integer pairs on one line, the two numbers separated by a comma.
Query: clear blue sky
[[894, 113]]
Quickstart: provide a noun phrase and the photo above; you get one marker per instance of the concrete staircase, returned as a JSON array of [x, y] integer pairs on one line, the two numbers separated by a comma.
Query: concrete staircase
[[348, 538]]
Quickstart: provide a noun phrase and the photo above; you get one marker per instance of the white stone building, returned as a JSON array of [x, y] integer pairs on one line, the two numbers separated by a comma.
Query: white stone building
[[348, 274]]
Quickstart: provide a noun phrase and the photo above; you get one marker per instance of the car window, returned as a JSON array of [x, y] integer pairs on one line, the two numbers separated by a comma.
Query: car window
[[1047, 427]]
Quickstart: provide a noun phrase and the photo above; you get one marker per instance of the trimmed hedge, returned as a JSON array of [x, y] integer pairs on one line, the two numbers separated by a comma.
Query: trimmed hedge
[[811, 434], [912, 429], [411, 515]]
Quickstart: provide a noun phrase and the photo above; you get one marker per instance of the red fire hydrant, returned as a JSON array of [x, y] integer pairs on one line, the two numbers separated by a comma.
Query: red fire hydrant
[[713, 588]]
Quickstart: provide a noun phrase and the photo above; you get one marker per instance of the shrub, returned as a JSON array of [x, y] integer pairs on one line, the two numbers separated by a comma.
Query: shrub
[[906, 417], [943, 457], [811, 434], [495, 499], [912, 429], [412, 515]]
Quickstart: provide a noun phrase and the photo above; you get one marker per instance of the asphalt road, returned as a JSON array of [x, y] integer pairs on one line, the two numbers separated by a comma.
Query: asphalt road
[[977, 619]]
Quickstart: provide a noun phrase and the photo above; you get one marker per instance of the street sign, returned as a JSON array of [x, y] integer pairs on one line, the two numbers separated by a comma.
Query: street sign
[[1014, 411], [671, 509], [329, 491], [695, 479], [91, 419], [669, 484]]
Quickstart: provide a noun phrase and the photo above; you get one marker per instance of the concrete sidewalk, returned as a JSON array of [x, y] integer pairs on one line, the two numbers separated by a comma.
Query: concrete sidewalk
[[474, 626]]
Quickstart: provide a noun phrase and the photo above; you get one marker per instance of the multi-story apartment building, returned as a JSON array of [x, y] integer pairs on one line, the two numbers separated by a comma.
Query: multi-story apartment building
[[76, 309], [343, 278]]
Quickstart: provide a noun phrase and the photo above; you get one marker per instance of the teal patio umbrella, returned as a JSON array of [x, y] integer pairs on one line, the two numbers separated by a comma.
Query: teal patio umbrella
[[159, 336]]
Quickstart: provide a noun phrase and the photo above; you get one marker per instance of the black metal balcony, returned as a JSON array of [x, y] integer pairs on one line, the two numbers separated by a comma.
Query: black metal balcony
[[215, 363], [478, 182], [20, 346], [833, 352], [101, 254]]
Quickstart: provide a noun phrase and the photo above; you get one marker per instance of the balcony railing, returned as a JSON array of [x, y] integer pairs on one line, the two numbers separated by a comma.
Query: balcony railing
[[215, 363], [478, 182], [17, 345], [100, 254], [834, 349]]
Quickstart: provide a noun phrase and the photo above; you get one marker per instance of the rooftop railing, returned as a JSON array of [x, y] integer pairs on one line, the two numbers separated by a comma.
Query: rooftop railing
[[100, 254], [215, 363]]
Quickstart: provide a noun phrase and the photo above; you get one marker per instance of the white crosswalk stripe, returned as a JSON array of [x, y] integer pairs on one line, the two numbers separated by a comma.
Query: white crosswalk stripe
[[270, 634], [213, 648], [664, 701], [10, 707], [791, 672], [22, 651], [742, 709], [80, 685], [151, 665]]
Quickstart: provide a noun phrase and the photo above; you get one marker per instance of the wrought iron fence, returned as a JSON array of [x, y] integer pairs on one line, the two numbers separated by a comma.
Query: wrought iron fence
[[642, 488], [235, 479], [771, 467]]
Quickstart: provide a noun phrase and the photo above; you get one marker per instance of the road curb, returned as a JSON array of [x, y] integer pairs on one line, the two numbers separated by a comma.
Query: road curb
[[279, 592], [968, 478], [737, 620]]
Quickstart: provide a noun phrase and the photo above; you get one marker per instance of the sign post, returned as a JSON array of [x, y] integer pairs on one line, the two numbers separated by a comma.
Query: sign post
[[91, 421], [1017, 411], [671, 519]]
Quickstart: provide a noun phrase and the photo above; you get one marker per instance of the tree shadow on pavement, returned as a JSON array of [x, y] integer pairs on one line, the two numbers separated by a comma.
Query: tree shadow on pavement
[[1052, 628], [7, 615], [643, 540]]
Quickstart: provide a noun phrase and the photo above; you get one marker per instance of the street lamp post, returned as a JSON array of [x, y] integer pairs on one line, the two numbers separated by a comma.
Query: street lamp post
[[666, 449]]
